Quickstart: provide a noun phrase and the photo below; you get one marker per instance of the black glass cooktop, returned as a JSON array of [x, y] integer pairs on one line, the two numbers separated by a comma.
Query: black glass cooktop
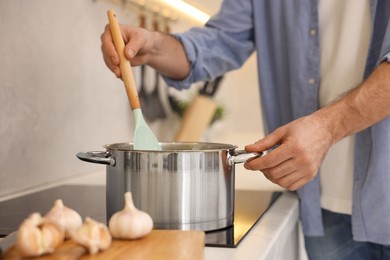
[[90, 201]]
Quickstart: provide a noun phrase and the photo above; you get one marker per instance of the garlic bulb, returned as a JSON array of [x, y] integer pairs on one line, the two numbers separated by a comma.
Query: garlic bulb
[[67, 218], [37, 236], [93, 235], [130, 223]]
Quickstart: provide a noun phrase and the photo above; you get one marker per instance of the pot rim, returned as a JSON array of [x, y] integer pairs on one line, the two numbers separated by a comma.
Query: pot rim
[[175, 147]]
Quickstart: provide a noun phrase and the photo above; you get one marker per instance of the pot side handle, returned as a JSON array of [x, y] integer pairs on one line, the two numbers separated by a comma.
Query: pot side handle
[[97, 157], [240, 156]]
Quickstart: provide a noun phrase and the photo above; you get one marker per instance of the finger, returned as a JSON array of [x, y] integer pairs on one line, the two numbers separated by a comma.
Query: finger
[[294, 180], [267, 142], [110, 56], [287, 180], [134, 43], [270, 160], [113, 68], [279, 181], [280, 170], [108, 47], [298, 184]]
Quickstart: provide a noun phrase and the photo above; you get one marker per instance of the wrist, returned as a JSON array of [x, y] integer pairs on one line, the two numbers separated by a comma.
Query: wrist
[[168, 56], [330, 119]]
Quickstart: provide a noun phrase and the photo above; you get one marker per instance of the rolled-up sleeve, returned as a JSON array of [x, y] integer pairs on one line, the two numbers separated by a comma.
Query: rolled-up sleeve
[[383, 27], [385, 52], [224, 44], [386, 57]]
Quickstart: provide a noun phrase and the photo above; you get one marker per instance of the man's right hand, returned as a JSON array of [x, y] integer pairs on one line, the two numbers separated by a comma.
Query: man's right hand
[[138, 44], [158, 50]]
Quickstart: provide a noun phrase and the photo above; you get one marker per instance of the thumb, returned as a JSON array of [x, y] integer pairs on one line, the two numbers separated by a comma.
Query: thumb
[[134, 50], [135, 41], [267, 142], [129, 52], [132, 43]]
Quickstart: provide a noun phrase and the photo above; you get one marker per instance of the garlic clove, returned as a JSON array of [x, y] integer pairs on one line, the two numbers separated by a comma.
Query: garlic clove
[[66, 217], [37, 236], [93, 235], [52, 235], [130, 223], [29, 237]]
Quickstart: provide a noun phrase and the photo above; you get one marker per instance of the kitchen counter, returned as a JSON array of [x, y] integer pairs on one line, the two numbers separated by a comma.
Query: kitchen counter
[[275, 236]]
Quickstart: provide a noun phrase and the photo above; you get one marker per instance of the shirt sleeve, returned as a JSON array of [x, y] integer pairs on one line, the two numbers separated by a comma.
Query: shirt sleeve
[[385, 52], [385, 22], [386, 57], [224, 44]]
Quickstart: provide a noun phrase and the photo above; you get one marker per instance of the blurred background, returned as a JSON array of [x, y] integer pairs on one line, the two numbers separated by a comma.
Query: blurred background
[[57, 97]]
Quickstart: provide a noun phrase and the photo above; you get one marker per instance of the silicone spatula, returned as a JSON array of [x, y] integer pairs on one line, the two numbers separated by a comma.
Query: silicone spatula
[[144, 138]]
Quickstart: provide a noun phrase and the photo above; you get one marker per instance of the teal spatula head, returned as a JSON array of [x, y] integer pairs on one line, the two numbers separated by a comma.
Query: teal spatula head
[[144, 138]]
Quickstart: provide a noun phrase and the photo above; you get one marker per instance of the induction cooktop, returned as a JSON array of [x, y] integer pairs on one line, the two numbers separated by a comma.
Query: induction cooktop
[[90, 201]]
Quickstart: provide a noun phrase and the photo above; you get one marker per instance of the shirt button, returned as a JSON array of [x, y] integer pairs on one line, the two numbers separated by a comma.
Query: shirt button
[[313, 32], [311, 81]]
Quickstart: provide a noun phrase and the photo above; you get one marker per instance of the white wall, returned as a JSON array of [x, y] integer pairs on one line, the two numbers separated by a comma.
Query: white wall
[[57, 97]]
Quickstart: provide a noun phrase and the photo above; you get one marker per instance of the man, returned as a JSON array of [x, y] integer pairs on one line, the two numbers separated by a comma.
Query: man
[[324, 74]]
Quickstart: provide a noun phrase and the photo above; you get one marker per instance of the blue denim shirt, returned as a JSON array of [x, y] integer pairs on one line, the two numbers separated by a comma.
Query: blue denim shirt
[[283, 33]]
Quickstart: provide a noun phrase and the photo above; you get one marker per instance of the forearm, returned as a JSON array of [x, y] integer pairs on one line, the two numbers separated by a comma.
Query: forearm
[[169, 57], [361, 107], [300, 146]]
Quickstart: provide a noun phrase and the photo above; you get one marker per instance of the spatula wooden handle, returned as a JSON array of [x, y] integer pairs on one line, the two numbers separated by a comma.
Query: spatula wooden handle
[[124, 64]]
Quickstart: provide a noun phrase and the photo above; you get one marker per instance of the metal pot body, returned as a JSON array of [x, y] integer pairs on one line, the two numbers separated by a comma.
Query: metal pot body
[[183, 186]]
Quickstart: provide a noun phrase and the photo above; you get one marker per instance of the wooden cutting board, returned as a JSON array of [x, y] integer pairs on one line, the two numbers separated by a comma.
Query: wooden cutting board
[[158, 245]]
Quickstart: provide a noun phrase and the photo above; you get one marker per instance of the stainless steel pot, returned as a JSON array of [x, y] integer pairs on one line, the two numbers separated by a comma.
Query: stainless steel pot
[[183, 186]]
